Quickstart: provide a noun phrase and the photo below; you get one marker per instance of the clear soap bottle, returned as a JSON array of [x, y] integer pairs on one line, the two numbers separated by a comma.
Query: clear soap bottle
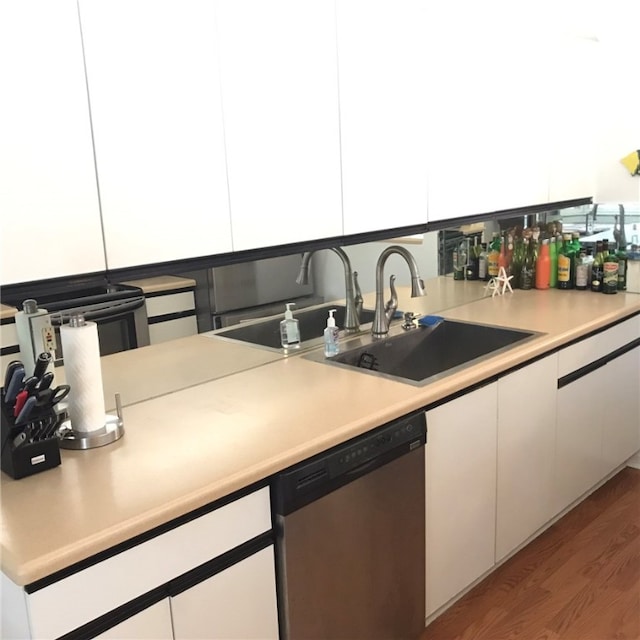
[[331, 336], [290, 329]]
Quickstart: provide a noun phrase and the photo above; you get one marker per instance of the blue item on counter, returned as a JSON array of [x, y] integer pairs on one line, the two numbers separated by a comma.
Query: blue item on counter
[[430, 321]]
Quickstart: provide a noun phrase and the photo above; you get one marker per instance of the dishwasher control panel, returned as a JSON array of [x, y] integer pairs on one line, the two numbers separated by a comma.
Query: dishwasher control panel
[[309, 480]]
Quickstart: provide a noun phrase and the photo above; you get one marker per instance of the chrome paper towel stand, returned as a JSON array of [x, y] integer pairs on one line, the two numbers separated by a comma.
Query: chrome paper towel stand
[[112, 430]]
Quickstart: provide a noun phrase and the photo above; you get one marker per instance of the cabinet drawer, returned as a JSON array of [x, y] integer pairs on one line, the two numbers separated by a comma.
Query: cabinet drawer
[[587, 351], [171, 303], [58, 608], [173, 329]]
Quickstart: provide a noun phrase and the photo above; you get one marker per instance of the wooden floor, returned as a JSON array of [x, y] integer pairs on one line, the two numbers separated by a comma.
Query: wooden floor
[[579, 580]]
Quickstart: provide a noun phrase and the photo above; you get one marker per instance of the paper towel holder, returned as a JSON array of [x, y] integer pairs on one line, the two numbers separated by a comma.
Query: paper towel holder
[[112, 430]]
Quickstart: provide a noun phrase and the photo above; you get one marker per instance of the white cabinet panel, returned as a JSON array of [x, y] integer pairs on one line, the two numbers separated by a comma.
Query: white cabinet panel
[[579, 438], [237, 604], [384, 104], [488, 130], [280, 97], [460, 493], [153, 623], [48, 193], [154, 86], [621, 427], [526, 452]]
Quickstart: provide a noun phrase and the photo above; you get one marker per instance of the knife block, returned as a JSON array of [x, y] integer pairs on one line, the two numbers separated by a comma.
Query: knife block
[[29, 457]]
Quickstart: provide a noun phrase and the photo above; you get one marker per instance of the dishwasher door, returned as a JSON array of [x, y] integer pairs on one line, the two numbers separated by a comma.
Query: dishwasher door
[[352, 563]]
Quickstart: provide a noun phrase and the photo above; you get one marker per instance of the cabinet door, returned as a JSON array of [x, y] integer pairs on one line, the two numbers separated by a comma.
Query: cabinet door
[[152, 71], [237, 604], [621, 427], [153, 623], [460, 493], [526, 452], [487, 129], [580, 417], [280, 97], [48, 193], [384, 101]]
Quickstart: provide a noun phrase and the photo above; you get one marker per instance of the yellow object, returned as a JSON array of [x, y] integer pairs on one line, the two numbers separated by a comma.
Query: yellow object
[[632, 162]]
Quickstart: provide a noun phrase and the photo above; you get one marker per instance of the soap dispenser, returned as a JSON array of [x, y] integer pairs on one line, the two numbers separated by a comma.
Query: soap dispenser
[[290, 329], [331, 345]]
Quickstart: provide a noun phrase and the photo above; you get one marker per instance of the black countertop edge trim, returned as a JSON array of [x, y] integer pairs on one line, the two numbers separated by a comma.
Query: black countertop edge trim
[[171, 316], [143, 537], [597, 364], [116, 616], [65, 284], [219, 564], [169, 292], [449, 223]]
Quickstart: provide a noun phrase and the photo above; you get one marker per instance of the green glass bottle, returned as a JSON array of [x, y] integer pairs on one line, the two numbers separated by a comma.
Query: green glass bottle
[[566, 268], [610, 273], [553, 260], [596, 268], [622, 269]]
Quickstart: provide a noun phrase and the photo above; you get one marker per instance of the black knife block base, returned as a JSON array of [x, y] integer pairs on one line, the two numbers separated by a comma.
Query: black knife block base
[[29, 457]]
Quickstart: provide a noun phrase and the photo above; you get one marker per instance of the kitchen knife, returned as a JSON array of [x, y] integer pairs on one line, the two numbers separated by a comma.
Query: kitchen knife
[[23, 416], [11, 367], [45, 382], [42, 363], [14, 386]]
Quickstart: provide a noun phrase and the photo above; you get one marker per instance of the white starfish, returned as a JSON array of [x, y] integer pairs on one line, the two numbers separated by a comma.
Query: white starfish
[[503, 281]]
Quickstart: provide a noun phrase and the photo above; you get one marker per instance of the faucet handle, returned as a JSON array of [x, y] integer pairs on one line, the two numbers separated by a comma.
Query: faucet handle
[[410, 320], [391, 306], [357, 298]]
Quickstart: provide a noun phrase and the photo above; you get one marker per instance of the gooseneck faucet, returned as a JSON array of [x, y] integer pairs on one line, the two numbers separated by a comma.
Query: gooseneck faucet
[[352, 315], [384, 312]]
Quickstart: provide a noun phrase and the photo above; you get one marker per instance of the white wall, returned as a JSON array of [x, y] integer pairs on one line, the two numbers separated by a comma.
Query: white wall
[[329, 272]]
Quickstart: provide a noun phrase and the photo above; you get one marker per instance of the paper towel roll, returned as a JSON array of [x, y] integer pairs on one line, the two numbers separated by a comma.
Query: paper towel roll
[[81, 352]]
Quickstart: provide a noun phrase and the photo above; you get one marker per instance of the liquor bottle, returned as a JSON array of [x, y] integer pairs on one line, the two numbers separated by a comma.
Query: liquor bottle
[[610, 274], [502, 256], [517, 262], [597, 267], [582, 270], [543, 267], [494, 254], [566, 279], [473, 266], [527, 275], [482, 263], [575, 242], [622, 269], [460, 260], [553, 262]]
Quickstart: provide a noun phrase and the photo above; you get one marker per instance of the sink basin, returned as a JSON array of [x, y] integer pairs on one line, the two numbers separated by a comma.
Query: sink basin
[[312, 325], [422, 353]]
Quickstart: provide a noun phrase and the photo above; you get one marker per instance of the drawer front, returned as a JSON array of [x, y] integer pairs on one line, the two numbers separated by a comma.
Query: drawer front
[[173, 329], [83, 596], [171, 303], [602, 344]]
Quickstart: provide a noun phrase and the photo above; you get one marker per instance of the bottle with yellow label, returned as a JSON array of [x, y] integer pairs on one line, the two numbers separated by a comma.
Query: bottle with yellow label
[[494, 257], [566, 267]]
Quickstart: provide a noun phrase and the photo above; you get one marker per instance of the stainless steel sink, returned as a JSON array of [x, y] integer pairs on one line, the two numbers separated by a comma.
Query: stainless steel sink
[[312, 325], [419, 354]]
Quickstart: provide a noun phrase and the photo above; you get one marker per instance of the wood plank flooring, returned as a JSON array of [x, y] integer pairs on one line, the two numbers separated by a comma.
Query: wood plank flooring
[[579, 580]]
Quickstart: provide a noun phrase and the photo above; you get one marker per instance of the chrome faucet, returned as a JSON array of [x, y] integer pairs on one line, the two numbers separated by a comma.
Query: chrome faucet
[[353, 297], [384, 312]]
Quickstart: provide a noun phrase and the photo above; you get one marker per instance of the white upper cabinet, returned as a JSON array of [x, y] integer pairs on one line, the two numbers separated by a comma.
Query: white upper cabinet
[[487, 118], [573, 118], [154, 87], [280, 100], [384, 99], [48, 194]]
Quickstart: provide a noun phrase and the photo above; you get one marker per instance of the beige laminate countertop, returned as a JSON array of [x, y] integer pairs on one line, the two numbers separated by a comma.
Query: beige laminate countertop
[[221, 432], [160, 284], [7, 312]]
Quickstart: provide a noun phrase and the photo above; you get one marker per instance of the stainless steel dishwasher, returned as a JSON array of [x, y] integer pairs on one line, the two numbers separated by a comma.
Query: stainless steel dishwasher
[[351, 538]]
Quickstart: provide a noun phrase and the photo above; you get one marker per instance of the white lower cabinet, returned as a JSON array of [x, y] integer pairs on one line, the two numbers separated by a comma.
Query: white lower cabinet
[[460, 493], [621, 420], [238, 603], [526, 447], [154, 623]]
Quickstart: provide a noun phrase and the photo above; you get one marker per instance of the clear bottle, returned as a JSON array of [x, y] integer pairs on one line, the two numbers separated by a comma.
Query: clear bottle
[[331, 337], [582, 271], [290, 329], [482, 263]]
